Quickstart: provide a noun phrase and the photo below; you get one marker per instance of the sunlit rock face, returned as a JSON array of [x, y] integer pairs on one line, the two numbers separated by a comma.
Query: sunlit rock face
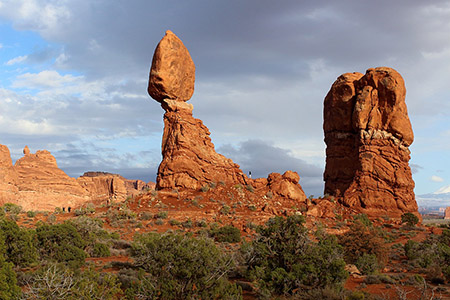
[[367, 133]]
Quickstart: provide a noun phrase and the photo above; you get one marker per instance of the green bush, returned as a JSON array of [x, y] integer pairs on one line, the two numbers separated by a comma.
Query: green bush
[[162, 215], [61, 243], [55, 282], [31, 214], [101, 250], [362, 239], [8, 280], [227, 234], [284, 260], [12, 208], [410, 219], [432, 254], [197, 270], [367, 263], [19, 247]]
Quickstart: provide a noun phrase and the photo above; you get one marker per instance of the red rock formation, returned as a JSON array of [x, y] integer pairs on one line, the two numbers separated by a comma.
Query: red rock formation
[[368, 132], [189, 158], [8, 177], [447, 213], [43, 186], [36, 183], [286, 185], [104, 186]]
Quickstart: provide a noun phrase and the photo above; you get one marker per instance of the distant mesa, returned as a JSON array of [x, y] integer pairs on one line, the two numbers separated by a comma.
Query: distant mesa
[[367, 133], [189, 157]]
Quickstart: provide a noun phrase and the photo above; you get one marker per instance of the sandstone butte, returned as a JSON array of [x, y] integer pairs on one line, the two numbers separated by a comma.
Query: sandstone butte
[[367, 133], [447, 213], [189, 157], [36, 183]]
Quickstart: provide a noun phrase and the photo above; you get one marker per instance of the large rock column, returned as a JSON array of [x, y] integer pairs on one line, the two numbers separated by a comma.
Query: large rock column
[[368, 132]]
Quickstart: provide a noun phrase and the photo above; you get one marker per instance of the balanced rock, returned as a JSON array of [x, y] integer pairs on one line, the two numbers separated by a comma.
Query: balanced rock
[[172, 74], [189, 158], [367, 133]]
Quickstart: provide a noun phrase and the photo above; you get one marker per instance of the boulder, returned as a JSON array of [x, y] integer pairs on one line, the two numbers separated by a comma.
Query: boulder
[[172, 74], [367, 133], [286, 186]]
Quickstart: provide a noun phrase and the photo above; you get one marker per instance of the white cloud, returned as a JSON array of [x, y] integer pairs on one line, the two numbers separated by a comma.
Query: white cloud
[[45, 79], [437, 178], [1, 45], [443, 190], [16, 60]]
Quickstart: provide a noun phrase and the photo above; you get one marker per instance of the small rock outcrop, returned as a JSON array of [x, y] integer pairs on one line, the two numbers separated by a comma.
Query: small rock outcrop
[[367, 133], [286, 185]]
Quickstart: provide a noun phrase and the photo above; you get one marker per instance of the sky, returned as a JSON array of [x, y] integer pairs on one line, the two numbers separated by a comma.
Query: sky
[[74, 74]]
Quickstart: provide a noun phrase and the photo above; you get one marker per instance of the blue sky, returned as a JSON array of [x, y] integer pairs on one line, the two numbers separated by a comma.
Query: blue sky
[[73, 79]]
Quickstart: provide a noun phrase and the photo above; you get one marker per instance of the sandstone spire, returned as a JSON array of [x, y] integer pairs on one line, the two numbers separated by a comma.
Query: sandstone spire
[[368, 132], [189, 157]]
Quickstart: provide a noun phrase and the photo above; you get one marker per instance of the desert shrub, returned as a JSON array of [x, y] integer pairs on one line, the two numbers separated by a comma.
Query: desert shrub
[[432, 254], [361, 240], [55, 282], [159, 222], [174, 222], [31, 214], [410, 219], [145, 216], [197, 270], [19, 247], [8, 280], [227, 234], [367, 263], [162, 215], [12, 208], [364, 219], [101, 250], [61, 243], [283, 260], [205, 188], [187, 224]]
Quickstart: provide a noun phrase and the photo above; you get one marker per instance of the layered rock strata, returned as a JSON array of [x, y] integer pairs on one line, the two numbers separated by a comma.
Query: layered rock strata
[[367, 133]]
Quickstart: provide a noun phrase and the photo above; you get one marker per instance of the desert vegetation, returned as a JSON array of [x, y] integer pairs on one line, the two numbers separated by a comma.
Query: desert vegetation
[[90, 256]]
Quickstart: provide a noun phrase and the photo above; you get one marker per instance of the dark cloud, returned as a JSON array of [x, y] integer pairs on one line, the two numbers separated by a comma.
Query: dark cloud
[[262, 158]]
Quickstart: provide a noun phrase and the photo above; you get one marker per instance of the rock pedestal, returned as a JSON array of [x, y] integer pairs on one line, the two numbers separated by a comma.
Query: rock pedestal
[[368, 132]]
